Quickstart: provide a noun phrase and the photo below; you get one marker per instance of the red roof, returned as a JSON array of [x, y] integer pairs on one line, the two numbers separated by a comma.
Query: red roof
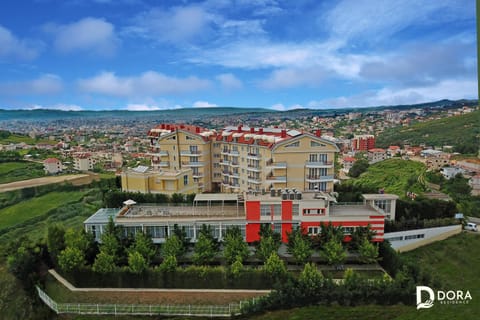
[[394, 147], [51, 160], [349, 159], [376, 150]]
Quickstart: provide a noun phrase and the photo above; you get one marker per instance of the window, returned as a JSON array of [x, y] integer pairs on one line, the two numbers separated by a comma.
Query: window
[[293, 145], [313, 230], [348, 230], [385, 205], [185, 180], [277, 209], [277, 227], [295, 210], [394, 239], [194, 149], [190, 138], [265, 210], [316, 144], [314, 211], [415, 236]]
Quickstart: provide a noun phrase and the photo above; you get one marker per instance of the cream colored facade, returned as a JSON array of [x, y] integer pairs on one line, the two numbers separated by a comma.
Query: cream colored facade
[[166, 182], [243, 159]]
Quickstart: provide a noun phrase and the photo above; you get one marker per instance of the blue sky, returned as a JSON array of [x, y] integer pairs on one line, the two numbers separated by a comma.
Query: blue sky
[[151, 55]]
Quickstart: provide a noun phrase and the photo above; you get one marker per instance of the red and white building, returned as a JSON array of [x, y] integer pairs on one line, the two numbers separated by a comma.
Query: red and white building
[[283, 210], [363, 142], [52, 166]]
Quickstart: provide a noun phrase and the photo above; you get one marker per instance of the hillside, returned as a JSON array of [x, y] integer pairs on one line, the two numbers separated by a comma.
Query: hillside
[[394, 175], [462, 132]]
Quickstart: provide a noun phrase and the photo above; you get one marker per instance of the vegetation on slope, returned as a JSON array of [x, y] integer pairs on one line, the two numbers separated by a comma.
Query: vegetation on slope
[[394, 175], [462, 132], [17, 171]]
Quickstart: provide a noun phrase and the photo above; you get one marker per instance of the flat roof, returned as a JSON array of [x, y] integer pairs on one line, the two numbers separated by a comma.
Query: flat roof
[[380, 196], [352, 210], [102, 216], [216, 197]]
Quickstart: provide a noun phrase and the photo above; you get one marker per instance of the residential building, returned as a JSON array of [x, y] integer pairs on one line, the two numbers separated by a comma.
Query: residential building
[[451, 172], [376, 155], [348, 163], [83, 161], [283, 210], [143, 179], [245, 159], [52, 166], [363, 142]]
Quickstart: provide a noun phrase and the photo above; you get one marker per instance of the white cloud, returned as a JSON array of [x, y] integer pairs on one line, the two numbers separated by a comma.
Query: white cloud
[[60, 106], [282, 107], [229, 81], [45, 84], [141, 107], [88, 35], [147, 83], [13, 47], [177, 24], [203, 104], [447, 89], [291, 77]]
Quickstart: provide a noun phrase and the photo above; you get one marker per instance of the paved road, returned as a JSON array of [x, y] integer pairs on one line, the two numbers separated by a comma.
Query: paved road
[[73, 178], [72, 288]]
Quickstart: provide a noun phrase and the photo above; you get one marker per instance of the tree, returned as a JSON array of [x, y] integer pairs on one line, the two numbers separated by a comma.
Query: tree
[[236, 267], [359, 167], [234, 247], [334, 252], [70, 259], [144, 245], [136, 262], [104, 263], [169, 264], [204, 250], [76, 239], [328, 232], [110, 245], [55, 240], [359, 234], [368, 252], [310, 279], [274, 266], [299, 245], [172, 247], [267, 246]]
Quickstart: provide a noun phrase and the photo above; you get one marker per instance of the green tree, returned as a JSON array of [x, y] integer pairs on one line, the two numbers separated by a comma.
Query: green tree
[[368, 252], [359, 167], [299, 245], [334, 252], [234, 247], [310, 279], [267, 246], [169, 264], [274, 266], [136, 262], [204, 250], [70, 259], [172, 247], [55, 240], [236, 267], [359, 234], [328, 232], [104, 263], [76, 239], [144, 245]]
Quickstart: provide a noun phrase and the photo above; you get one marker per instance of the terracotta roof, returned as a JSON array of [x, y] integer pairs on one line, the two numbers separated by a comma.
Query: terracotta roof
[[349, 159], [376, 150], [51, 160]]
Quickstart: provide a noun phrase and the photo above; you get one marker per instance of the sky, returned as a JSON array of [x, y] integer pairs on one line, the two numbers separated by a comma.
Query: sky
[[154, 55]]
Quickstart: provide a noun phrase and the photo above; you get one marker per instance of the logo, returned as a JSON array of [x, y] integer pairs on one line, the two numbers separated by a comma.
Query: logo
[[443, 297]]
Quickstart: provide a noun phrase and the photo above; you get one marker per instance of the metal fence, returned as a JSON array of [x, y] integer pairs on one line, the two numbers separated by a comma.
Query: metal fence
[[138, 309]]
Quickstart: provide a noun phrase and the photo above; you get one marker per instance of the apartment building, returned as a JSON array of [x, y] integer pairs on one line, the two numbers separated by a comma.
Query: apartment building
[[283, 210], [376, 155], [363, 142], [143, 179], [52, 166], [83, 161], [245, 159]]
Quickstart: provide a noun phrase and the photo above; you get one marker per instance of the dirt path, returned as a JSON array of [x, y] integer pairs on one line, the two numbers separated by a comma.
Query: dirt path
[[75, 179]]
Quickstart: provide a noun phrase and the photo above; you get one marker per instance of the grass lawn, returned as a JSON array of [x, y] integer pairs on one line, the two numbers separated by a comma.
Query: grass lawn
[[16, 171], [35, 207]]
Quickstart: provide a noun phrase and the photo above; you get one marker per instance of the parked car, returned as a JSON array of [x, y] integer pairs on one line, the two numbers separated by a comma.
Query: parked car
[[471, 226]]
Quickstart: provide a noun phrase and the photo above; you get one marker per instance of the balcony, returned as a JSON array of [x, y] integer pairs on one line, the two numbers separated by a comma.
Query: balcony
[[319, 164], [193, 164], [254, 156], [254, 180], [191, 153], [158, 153], [225, 173], [234, 153], [160, 164], [224, 162], [315, 178], [235, 164], [276, 165], [235, 174], [197, 175], [276, 179], [225, 152], [254, 168]]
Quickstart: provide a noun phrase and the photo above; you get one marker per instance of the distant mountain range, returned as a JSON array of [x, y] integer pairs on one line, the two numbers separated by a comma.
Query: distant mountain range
[[205, 113]]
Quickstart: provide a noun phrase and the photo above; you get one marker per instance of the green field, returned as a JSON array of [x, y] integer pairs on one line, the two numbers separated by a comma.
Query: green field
[[35, 207], [394, 175], [16, 171], [16, 138]]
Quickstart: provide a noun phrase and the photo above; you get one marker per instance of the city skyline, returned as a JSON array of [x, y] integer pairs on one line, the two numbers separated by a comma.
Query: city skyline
[[146, 55]]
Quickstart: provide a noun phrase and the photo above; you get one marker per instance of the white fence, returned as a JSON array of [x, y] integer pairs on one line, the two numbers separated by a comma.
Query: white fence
[[138, 309]]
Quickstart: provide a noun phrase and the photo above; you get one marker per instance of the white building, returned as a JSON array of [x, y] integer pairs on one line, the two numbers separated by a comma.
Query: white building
[[52, 166]]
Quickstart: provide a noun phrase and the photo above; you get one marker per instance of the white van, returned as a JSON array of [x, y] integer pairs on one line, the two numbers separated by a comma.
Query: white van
[[471, 226]]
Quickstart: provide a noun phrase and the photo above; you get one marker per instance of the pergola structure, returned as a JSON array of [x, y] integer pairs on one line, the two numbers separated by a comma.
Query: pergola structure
[[211, 198]]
